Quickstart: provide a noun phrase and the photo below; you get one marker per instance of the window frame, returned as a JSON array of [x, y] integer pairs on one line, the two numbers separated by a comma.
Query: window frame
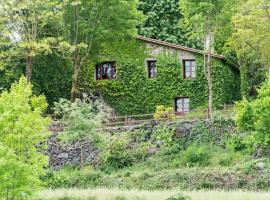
[[113, 75], [175, 105], [148, 67], [184, 69]]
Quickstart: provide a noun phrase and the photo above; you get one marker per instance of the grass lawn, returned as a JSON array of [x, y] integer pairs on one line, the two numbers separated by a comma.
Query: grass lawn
[[114, 194]]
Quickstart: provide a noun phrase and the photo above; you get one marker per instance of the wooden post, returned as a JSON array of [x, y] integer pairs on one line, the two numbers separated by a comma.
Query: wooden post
[[126, 120]]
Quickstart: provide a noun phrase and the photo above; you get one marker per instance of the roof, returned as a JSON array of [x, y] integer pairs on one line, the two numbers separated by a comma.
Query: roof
[[176, 46]]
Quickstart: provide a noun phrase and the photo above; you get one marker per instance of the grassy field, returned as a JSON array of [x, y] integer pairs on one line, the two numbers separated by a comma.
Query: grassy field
[[114, 194]]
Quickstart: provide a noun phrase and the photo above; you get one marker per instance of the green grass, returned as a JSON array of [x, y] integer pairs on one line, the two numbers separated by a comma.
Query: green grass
[[113, 194]]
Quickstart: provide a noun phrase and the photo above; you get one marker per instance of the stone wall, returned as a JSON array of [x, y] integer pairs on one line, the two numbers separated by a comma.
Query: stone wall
[[61, 154]]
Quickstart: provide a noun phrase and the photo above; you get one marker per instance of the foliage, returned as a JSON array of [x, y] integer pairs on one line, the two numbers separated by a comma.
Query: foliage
[[22, 127], [163, 113], [147, 178], [133, 93], [163, 134], [129, 194], [85, 30], [25, 23], [10, 66], [83, 120], [250, 39], [164, 21], [121, 153], [196, 155], [52, 77], [254, 116], [206, 17]]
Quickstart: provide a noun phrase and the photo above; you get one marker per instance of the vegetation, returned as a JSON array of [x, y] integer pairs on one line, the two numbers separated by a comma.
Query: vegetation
[[163, 113], [164, 21], [132, 81], [213, 156], [22, 127], [254, 117], [251, 43], [82, 118], [26, 23], [86, 28], [57, 45], [106, 194]]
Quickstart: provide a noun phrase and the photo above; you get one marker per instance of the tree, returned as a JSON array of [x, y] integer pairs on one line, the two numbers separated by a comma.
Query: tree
[[83, 121], [206, 17], [22, 127], [164, 21], [24, 23], [254, 117], [251, 40], [10, 67], [89, 24]]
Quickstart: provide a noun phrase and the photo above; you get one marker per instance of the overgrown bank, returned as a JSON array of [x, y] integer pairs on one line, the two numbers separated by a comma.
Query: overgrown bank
[[210, 155]]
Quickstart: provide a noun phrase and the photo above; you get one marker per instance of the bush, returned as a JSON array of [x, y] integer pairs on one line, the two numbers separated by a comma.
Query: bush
[[120, 153], [163, 134], [163, 113], [72, 177], [83, 121], [22, 127], [254, 117], [196, 155]]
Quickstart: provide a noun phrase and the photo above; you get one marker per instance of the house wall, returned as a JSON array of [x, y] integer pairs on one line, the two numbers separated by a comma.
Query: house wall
[[155, 50], [132, 92]]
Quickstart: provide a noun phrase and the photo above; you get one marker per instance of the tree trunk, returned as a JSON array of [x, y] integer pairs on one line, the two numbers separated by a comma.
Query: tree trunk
[[74, 89], [210, 85], [209, 48], [29, 66]]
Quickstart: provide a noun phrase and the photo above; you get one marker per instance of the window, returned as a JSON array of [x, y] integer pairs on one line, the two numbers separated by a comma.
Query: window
[[182, 105], [105, 70], [151, 68], [189, 68]]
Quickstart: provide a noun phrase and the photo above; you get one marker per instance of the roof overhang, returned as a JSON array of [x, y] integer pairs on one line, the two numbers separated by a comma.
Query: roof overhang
[[180, 47]]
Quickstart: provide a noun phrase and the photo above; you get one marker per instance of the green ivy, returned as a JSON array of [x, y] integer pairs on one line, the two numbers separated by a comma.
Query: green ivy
[[52, 77], [132, 92]]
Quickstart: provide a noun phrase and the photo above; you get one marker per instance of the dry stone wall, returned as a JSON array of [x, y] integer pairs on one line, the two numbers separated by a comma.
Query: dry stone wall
[[61, 154]]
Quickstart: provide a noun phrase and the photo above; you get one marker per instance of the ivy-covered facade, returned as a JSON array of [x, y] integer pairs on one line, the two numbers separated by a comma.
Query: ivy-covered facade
[[135, 76]]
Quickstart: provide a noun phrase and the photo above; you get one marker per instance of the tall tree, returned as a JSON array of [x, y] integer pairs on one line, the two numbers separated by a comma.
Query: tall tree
[[89, 24], [24, 23], [206, 17], [164, 21], [251, 40]]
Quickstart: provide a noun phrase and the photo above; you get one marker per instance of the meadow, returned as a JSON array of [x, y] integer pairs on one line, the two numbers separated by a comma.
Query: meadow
[[115, 194]]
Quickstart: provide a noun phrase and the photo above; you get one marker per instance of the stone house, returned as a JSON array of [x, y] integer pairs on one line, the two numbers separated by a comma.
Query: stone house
[[150, 72]]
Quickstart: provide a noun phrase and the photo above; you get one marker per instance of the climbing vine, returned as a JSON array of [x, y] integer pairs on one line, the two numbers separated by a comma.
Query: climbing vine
[[132, 92]]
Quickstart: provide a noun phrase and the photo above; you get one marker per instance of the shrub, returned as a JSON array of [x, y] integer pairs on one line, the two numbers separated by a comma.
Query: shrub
[[196, 155], [164, 134], [254, 117], [83, 119], [163, 113], [120, 153], [22, 127], [72, 177]]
